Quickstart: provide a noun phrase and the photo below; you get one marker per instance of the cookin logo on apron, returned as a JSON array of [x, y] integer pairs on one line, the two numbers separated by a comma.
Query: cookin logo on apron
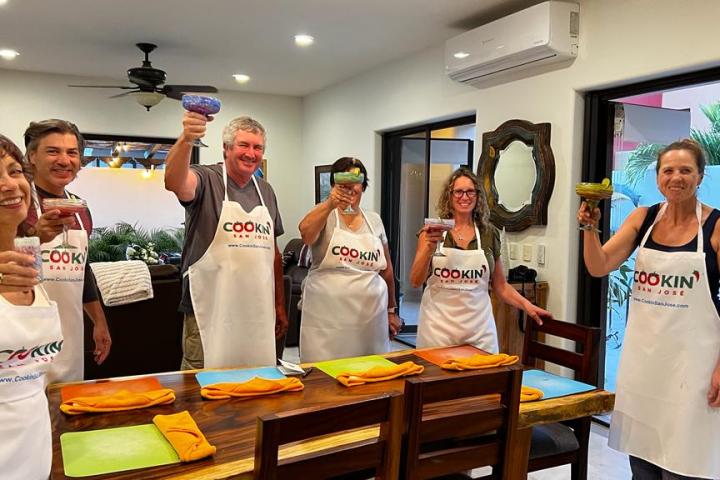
[[38, 353], [663, 288], [665, 285], [455, 275], [66, 260], [358, 257], [248, 230]]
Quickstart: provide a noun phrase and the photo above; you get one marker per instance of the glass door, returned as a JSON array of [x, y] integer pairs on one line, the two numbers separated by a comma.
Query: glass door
[[416, 164]]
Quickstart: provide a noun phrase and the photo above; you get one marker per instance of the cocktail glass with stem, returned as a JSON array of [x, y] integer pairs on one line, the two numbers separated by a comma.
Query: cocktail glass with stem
[[68, 207], [443, 225], [202, 105], [348, 179], [592, 193]]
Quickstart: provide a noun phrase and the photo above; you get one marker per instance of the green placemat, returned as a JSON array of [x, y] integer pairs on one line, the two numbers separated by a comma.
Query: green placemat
[[354, 364], [115, 450]]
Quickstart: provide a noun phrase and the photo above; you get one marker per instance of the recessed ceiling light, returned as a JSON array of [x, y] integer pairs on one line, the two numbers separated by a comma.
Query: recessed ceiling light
[[8, 54], [241, 78], [304, 40], [3, 3], [461, 55]]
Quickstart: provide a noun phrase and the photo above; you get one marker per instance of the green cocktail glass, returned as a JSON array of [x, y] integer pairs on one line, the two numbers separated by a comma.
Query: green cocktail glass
[[349, 178], [592, 193]]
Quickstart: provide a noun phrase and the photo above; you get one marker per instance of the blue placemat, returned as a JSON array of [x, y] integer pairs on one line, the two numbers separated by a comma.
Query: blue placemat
[[237, 376], [553, 386]]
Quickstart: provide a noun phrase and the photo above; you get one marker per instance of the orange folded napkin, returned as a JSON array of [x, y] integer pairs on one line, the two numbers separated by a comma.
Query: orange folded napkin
[[379, 374], [184, 435], [529, 394], [118, 401], [479, 361], [252, 388]]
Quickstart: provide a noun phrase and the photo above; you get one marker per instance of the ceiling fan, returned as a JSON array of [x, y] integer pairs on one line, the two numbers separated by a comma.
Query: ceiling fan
[[149, 82]]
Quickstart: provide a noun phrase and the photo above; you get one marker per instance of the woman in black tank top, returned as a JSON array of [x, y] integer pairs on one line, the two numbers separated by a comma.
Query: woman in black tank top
[[674, 228]]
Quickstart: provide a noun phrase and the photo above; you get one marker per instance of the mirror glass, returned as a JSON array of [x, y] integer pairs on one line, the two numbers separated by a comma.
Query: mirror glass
[[515, 176]]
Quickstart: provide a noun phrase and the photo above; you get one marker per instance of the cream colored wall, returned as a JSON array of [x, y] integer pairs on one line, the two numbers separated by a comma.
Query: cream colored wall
[[28, 96], [622, 41]]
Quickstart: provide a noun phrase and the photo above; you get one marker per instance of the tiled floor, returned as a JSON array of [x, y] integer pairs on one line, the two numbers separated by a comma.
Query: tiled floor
[[603, 462]]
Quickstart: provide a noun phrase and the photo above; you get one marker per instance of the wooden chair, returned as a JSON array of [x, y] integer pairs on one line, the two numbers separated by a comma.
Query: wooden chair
[[378, 457], [443, 439], [567, 442]]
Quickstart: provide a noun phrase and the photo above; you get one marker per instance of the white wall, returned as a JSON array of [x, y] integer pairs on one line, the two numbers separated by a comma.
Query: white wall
[[622, 41], [28, 96]]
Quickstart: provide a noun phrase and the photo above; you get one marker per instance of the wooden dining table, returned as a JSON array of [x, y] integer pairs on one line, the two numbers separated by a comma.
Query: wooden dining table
[[230, 424]]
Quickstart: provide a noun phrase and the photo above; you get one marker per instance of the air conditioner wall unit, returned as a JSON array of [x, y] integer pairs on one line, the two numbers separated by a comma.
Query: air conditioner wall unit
[[542, 34]]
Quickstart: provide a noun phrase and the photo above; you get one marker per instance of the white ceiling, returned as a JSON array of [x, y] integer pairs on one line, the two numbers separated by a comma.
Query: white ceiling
[[206, 41]]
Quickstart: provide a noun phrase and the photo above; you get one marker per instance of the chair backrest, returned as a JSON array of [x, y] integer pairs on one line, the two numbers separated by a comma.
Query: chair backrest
[[449, 430], [379, 455], [586, 340]]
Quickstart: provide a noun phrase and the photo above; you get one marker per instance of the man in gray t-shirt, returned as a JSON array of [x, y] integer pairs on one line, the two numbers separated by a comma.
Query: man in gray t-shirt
[[224, 258]]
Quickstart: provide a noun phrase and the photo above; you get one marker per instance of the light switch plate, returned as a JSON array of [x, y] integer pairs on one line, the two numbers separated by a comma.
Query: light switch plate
[[514, 251], [541, 254], [527, 252]]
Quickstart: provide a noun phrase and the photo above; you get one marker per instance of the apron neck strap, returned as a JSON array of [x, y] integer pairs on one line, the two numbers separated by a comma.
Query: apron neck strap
[[698, 215], [227, 188]]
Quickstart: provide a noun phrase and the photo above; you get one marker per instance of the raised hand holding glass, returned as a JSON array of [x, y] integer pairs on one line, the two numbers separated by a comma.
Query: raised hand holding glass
[[202, 105]]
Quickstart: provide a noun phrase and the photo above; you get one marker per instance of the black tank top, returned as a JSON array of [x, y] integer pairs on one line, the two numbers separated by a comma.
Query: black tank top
[[711, 263]]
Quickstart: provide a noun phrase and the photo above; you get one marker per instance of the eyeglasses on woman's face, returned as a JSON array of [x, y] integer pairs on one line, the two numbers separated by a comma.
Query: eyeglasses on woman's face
[[469, 193]]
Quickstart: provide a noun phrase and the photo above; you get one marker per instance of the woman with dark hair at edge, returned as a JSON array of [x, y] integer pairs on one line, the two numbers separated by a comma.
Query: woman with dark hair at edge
[[667, 415], [456, 309], [348, 298], [31, 336]]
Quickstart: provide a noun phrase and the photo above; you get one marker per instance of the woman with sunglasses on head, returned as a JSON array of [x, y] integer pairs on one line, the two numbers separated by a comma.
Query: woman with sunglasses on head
[[31, 335], [455, 307]]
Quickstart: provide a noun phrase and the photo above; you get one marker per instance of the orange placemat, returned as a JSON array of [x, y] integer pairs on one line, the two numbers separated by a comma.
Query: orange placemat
[[109, 387], [438, 355]]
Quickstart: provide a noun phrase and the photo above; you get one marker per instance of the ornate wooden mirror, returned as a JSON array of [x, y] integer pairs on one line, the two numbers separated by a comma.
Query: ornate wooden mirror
[[517, 168]]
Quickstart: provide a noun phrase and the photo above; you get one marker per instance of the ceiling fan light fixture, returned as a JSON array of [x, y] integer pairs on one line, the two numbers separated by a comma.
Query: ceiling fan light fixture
[[148, 99]]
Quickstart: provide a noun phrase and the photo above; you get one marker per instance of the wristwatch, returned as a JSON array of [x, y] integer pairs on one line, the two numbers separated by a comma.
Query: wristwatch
[[392, 309]]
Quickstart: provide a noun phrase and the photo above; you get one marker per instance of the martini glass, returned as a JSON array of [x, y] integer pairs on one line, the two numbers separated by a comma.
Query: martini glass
[[592, 193], [202, 105], [441, 224], [68, 207], [349, 178]]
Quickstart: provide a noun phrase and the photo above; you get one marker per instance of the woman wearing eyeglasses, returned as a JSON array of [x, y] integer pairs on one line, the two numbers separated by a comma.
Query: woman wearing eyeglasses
[[455, 307]]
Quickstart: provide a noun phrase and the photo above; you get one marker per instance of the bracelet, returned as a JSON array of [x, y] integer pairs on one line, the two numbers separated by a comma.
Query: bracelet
[[392, 310]]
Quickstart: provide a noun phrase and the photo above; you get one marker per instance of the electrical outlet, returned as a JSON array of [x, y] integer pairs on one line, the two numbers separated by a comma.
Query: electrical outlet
[[527, 253], [514, 251], [541, 254]]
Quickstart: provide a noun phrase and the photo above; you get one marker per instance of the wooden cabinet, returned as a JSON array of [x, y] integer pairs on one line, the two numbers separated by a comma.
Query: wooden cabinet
[[507, 318]]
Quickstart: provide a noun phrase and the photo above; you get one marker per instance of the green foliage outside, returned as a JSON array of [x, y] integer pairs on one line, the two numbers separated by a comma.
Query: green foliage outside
[[110, 244]]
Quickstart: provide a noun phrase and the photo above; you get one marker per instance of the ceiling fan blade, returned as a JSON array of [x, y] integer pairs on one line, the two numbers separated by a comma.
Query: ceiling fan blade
[[123, 94], [103, 86], [141, 81], [177, 91]]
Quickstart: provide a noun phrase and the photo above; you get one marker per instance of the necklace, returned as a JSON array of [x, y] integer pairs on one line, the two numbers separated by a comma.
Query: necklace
[[459, 234]]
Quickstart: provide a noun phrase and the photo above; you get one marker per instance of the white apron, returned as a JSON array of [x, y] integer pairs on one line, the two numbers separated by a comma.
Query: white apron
[[455, 307], [63, 280], [344, 306], [671, 347], [232, 287], [31, 337]]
